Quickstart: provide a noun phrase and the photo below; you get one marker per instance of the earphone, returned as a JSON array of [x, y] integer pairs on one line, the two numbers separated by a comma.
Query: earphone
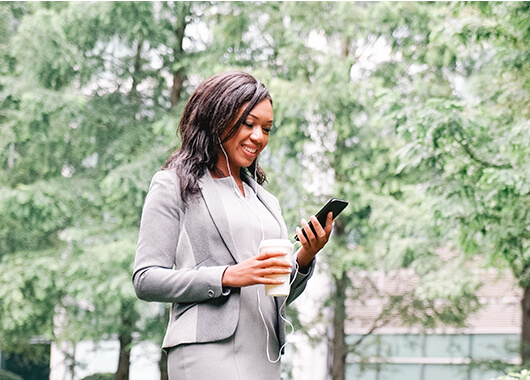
[[236, 188]]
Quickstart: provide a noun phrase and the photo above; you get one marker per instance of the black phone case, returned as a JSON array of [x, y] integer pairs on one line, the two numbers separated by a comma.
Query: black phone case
[[334, 205]]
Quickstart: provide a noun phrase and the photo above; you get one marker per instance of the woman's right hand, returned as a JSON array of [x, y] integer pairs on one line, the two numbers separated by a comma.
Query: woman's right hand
[[255, 270]]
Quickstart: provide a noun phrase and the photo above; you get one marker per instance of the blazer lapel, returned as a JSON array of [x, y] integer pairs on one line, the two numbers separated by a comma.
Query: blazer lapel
[[214, 203]]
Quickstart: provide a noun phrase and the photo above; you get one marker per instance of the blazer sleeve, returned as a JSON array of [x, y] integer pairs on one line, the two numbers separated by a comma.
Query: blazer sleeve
[[300, 281], [154, 276]]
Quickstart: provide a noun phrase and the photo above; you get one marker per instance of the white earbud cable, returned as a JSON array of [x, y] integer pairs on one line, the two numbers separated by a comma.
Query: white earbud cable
[[282, 317]]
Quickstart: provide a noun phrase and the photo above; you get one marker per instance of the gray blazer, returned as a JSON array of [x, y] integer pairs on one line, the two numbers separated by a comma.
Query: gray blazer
[[181, 256]]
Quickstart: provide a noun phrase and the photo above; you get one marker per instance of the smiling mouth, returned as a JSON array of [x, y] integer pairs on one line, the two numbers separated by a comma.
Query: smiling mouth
[[250, 150]]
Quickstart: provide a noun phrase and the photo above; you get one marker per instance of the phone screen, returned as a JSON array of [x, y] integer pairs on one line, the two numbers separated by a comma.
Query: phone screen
[[334, 205]]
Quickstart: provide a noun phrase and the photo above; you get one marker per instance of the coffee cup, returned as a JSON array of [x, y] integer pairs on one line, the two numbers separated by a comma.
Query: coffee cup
[[278, 245]]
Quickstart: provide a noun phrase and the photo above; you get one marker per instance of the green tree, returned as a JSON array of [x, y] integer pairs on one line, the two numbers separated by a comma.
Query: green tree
[[467, 130], [341, 105], [79, 105], [87, 113]]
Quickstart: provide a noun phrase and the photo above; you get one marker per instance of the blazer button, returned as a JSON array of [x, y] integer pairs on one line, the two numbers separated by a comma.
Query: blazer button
[[211, 293]]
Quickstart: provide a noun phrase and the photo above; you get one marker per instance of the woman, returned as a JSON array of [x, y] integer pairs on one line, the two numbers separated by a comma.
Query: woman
[[203, 219]]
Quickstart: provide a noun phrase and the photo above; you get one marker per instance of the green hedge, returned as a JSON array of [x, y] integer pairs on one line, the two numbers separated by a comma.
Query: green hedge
[[6, 375], [99, 376]]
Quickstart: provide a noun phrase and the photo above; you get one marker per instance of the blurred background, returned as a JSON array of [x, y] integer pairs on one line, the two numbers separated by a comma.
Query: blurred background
[[416, 113]]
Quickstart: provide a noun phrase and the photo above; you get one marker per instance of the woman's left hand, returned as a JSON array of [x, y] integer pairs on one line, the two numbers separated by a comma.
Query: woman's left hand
[[314, 242]]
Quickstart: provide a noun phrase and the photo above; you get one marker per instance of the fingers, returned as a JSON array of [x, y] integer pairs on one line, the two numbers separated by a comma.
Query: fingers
[[264, 255], [274, 266], [272, 281], [273, 263], [319, 234], [313, 242], [257, 270], [307, 231], [301, 237], [329, 224], [306, 236], [273, 259]]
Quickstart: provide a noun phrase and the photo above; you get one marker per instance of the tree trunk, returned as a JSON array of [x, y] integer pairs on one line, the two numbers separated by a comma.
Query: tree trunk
[[178, 83], [179, 73], [339, 348], [525, 326], [338, 345], [137, 67], [345, 51], [124, 360]]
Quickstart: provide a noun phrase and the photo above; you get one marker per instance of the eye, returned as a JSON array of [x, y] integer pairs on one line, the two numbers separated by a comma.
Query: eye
[[248, 124], [267, 130]]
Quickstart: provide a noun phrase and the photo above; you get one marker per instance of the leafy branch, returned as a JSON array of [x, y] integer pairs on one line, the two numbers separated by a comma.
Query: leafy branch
[[478, 160]]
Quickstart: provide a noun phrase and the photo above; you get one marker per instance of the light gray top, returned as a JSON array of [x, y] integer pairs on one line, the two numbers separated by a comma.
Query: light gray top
[[250, 222]]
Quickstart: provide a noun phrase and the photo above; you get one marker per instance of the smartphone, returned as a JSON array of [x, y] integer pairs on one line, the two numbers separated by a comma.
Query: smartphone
[[334, 205]]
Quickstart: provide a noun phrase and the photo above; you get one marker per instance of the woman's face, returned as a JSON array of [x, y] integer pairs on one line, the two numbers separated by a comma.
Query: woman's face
[[251, 138]]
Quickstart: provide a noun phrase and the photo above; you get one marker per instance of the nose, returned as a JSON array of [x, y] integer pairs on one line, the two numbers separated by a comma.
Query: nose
[[257, 134]]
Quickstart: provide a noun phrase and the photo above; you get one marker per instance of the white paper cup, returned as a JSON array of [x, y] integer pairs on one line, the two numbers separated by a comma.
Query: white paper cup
[[278, 245]]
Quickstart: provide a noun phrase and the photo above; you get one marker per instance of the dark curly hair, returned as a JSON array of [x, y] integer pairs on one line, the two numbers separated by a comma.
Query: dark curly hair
[[212, 109]]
